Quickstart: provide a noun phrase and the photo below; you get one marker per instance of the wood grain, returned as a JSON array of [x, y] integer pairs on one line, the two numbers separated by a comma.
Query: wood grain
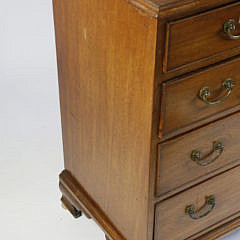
[[176, 8], [110, 63], [79, 198], [106, 74], [175, 166], [222, 231], [171, 220], [218, 230], [199, 37], [182, 105]]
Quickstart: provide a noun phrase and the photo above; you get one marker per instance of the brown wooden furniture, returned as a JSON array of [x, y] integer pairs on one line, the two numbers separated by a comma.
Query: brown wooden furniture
[[150, 104]]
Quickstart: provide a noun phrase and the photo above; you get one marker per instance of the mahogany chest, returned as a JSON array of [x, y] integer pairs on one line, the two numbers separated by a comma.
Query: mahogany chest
[[150, 105]]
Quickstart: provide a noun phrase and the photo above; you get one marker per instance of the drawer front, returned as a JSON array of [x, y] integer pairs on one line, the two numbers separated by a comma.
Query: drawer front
[[199, 37], [194, 157], [182, 107], [198, 208]]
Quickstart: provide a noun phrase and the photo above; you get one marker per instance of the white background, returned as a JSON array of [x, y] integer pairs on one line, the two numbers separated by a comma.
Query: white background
[[30, 134]]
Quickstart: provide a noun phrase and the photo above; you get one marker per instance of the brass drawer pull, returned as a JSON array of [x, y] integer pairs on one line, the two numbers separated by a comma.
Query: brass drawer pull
[[227, 85], [196, 155], [230, 26], [203, 211]]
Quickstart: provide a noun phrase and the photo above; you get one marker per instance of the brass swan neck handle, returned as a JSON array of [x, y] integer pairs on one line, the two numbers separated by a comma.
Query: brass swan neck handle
[[218, 148], [227, 86], [229, 27], [203, 211]]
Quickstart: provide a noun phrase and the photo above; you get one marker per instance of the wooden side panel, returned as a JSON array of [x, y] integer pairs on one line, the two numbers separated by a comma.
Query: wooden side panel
[[75, 195], [106, 57]]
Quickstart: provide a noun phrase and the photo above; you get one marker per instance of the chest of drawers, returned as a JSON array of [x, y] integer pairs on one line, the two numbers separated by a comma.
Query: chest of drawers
[[150, 105]]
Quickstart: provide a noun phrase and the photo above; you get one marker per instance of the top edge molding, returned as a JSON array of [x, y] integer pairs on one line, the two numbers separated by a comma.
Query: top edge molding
[[170, 8], [146, 7]]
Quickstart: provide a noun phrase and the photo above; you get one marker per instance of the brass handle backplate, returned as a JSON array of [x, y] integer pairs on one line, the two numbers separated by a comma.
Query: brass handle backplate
[[205, 93], [203, 211], [217, 148], [229, 27]]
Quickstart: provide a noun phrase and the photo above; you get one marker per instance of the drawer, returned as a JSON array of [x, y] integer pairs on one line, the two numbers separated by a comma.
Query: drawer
[[201, 37], [181, 106], [198, 208], [196, 156]]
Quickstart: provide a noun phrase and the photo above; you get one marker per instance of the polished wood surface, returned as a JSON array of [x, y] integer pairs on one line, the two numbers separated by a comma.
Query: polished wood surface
[[222, 231], [175, 166], [182, 106], [219, 230], [77, 196], [115, 93], [171, 220], [106, 74], [170, 8], [199, 37]]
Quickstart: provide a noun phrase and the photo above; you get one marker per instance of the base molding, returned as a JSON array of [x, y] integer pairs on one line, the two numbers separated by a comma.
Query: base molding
[[107, 238], [68, 206], [76, 200], [76, 197]]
